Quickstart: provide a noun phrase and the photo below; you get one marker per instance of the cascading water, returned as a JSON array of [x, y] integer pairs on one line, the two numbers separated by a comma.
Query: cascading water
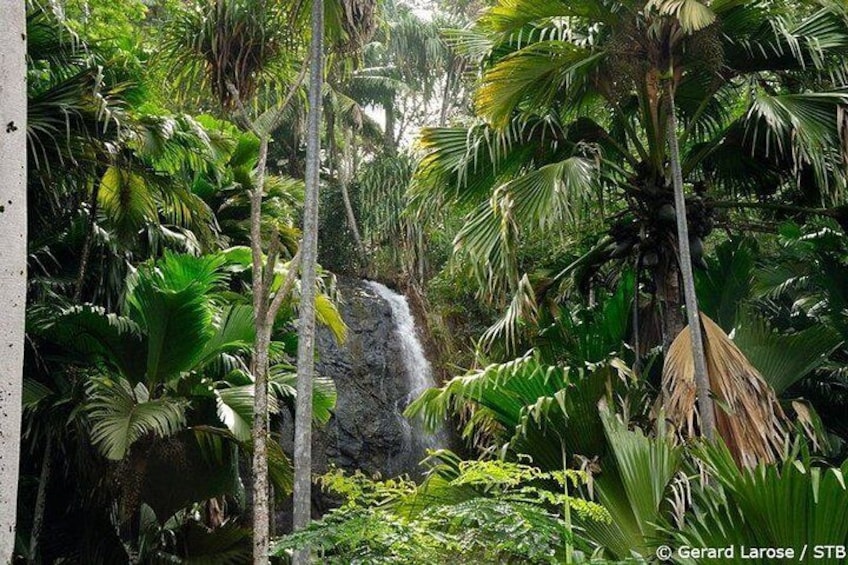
[[377, 371], [419, 372]]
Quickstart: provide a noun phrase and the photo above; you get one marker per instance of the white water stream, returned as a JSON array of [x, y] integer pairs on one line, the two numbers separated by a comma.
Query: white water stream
[[419, 372]]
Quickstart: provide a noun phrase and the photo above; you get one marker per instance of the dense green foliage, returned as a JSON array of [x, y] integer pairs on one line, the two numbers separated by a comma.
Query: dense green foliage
[[488, 511], [505, 165]]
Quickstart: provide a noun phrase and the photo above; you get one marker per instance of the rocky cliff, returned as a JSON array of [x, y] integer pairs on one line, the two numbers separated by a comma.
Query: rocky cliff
[[368, 431], [374, 381]]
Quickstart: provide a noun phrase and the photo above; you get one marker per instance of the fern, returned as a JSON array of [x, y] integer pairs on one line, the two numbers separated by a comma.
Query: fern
[[490, 511]]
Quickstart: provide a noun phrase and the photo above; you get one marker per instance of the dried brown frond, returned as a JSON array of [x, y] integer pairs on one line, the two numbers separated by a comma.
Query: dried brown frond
[[748, 416]]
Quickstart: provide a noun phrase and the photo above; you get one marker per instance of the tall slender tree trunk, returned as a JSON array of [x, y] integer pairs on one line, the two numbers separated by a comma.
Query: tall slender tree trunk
[[13, 255], [261, 512], [446, 94], [389, 132], [566, 506], [41, 501], [306, 331], [702, 383], [344, 168], [87, 243]]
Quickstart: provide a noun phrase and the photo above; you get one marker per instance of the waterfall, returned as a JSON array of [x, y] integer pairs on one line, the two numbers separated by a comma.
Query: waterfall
[[419, 372]]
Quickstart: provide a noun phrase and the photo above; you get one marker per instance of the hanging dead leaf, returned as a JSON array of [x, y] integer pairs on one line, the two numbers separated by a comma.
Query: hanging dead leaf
[[748, 416]]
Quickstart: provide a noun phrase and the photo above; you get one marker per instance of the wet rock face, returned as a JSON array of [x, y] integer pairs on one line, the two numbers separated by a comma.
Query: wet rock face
[[368, 430]]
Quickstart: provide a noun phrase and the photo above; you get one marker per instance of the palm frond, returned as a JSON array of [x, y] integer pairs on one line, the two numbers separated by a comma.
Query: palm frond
[[783, 359], [533, 406], [793, 504], [801, 128], [508, 17], [540, 200], [170, 299], [235, 332], [89, 331], [127, 201], [121, 415], [534, 77], [692, 15], [633, 487], [283, 379], [748, 416]]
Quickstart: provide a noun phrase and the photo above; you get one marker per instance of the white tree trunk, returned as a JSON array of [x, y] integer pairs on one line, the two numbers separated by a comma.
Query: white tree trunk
[[13, 253], [306, 332]]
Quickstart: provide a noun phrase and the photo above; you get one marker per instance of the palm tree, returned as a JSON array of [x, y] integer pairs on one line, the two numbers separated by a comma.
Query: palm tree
[[574, 106], [407, 57], [108, 182], [13, 232], [169, 385], [676, 29]]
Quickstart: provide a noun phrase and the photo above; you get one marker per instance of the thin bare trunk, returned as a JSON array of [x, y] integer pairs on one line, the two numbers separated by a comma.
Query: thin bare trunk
[[389, 133], [13, 258], [306, 331], [264, 313], [41, 501], [261, 514], [345, 176], [446, 92], [702, 383], [566, 506], [351, 220], [86, 246]]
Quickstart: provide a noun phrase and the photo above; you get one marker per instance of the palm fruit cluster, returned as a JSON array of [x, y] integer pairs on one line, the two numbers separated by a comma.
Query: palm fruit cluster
[[650, 230]]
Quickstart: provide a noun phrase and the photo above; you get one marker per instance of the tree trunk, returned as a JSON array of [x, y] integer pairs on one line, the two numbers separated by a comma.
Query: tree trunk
[[702, 383], [446, 93], [13, 258], [306, 331], [389, 133], [670, 300], [261, 514], [566, 506], [261, 511], [86, 246], [344, 168], [41, 501]]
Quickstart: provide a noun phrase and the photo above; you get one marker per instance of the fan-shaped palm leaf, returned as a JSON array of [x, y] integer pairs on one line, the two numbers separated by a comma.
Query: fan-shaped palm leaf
[[171, 302], [541, 201], [795, 504], [122, 415], [92, 332], [633, 486], [783, 359]]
